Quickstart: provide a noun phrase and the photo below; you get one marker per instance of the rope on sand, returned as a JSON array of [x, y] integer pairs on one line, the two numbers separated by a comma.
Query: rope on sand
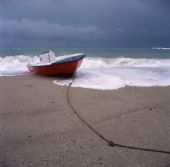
[[109, 142]]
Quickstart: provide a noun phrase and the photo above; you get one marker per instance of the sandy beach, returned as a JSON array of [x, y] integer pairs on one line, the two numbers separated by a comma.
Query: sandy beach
[[39, 129]]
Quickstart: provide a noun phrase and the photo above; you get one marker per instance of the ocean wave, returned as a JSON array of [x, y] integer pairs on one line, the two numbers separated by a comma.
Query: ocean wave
[[124, 62], [159, 48], [101, 73], [17, 64], [117, 77], [106, 74]]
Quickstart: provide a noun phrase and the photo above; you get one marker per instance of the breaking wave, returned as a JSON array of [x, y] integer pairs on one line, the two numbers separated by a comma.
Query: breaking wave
[[12, 65], [159, 48], [15, 65], [105, 74], [124, 62], [101, 73]]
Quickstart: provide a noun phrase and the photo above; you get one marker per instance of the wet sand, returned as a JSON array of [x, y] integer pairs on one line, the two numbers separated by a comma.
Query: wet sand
[[39, 128]]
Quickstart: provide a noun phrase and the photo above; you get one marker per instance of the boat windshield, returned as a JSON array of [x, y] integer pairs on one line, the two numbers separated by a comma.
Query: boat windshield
[[45, 52]]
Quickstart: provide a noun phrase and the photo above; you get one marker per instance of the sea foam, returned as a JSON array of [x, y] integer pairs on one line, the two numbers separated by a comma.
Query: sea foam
[[15, 65], [101, 73], [106, 74]]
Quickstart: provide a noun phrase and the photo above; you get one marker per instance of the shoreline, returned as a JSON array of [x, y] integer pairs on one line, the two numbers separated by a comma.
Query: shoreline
[[39, 129], [52, 79]]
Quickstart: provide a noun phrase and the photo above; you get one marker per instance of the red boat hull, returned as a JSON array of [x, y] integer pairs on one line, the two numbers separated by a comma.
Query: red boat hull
[[68, 68]]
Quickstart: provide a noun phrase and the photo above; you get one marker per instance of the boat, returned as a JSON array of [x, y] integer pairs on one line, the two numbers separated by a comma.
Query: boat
[[50, 65]]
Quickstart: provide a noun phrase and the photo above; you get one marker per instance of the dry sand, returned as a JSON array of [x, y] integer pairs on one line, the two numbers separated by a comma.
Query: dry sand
[[39, 129]]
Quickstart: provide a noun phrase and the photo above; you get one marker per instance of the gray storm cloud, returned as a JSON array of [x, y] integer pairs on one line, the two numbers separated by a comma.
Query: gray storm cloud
[[44, 30], [97, 23]]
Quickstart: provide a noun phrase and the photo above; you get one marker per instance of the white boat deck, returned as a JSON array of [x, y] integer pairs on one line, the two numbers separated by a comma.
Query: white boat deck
[[58, 58]]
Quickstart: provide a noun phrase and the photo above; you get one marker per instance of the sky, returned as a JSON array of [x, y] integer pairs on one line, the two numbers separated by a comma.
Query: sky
[[85, 23]]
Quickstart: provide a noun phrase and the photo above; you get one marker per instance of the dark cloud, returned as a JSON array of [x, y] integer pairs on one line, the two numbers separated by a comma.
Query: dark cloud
[[44, 30], [88, 23]]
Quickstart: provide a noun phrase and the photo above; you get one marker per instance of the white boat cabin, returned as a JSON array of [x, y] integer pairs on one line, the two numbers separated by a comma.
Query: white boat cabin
[[47, 57]]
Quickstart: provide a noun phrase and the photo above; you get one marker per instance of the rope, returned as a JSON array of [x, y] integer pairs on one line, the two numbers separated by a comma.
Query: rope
[[80, 118], [109, 143]]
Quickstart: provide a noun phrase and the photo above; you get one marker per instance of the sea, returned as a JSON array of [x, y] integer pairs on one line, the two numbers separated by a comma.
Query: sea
[[103, 68]]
